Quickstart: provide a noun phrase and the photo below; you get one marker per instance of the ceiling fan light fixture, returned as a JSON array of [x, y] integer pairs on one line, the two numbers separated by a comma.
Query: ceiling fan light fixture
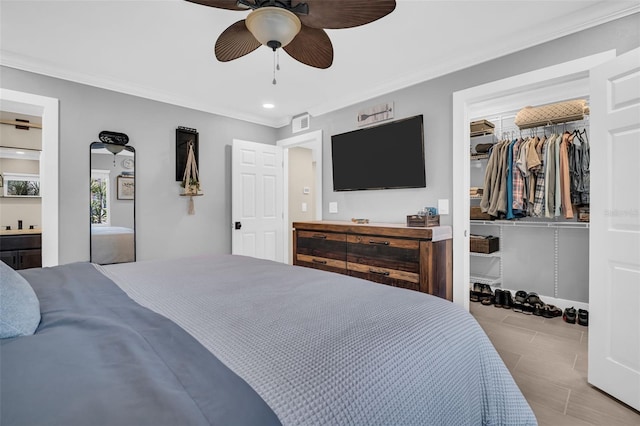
[[113, 148], [273, 26]]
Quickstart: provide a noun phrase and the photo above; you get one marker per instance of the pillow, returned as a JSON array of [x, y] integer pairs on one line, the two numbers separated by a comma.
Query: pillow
[[19, 305]]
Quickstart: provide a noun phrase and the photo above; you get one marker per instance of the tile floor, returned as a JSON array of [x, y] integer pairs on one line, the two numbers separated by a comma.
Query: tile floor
[[548, 360]]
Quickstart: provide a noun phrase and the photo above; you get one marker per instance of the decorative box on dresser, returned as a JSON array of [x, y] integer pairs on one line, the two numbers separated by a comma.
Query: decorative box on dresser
[[416, 258]]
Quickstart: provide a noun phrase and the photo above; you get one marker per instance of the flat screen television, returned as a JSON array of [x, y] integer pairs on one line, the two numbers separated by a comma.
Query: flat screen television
[[386, 156]]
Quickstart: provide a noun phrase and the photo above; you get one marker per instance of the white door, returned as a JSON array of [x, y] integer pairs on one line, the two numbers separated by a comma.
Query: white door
[[614, 248], [257, 200]]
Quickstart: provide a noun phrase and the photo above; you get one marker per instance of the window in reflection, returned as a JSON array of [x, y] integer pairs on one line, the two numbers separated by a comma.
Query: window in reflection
[[100, 197]]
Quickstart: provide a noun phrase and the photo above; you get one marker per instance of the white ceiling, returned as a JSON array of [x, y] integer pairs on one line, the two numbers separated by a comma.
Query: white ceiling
[[163, 49]]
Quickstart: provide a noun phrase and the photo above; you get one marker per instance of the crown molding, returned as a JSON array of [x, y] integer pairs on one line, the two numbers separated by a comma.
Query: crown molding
[[25, 63]]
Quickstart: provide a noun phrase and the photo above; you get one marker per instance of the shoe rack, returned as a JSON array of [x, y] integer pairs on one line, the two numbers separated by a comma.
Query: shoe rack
[[496, 281]]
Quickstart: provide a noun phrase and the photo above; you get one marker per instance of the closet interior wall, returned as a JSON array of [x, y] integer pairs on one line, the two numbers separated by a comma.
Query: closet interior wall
[[542, 255]]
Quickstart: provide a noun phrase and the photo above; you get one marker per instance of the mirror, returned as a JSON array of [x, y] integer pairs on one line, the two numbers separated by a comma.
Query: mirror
[[112, 203]]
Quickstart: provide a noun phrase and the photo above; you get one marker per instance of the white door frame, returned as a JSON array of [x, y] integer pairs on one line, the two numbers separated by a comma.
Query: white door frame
[[312, 140], [568, 80], [47, 108]]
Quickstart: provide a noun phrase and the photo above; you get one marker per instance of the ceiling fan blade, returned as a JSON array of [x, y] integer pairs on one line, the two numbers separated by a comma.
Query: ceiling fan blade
[[234, 42], [345, 13], [312, 47], [221, 4]]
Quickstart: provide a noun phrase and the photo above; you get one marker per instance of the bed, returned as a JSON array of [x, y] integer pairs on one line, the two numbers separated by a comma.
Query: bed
[[229, 339], [112, 244]]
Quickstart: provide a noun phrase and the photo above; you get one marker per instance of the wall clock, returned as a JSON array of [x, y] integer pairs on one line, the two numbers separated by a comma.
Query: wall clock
[[128, 163]]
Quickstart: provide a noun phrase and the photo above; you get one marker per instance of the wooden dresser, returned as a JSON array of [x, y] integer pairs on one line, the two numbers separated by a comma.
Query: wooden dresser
[[391, 254]]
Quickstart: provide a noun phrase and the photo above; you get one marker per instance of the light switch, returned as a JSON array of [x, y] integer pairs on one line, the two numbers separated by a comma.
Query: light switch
[[443, 206], [306, 190], [333, 207], [304, 207]]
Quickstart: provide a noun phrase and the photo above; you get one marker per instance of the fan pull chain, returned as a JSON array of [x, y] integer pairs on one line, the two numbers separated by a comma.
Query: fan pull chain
[[276, 64], [274, 67]]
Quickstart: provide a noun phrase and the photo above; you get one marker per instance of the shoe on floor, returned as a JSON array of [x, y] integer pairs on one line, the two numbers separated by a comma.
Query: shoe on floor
[[554, 311], [569, 315], [538, 309], [507, 299], [488, 300], [583, 317], [518, 300], [533, 304], [498, 300]]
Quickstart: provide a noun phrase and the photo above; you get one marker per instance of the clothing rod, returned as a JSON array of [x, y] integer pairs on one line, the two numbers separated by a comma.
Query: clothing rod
[[517, 130], [552, 122]]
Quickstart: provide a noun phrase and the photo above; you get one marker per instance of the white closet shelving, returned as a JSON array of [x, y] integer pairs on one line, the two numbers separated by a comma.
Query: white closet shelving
[[556, 243]]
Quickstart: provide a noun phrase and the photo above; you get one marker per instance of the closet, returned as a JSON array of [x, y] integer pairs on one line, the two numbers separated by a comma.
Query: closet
[[543, 247], [611, 84]]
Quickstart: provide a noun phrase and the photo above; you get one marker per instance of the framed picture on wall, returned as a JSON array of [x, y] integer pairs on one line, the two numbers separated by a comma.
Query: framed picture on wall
[[126, 187]]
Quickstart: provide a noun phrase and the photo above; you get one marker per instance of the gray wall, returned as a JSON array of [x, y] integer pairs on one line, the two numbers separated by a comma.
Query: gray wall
[[434, 100], [164, 229]]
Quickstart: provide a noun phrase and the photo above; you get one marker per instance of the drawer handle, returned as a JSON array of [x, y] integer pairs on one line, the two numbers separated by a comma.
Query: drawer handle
[[384, 273], [321, 262], [383, 243], [320, 236]]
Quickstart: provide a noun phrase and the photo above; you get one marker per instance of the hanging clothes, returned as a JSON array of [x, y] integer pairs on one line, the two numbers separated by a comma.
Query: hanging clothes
[[565, 185], [537, 177]]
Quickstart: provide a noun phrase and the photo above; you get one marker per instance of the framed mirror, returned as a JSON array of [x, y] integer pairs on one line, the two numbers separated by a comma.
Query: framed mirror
[[112, 216]]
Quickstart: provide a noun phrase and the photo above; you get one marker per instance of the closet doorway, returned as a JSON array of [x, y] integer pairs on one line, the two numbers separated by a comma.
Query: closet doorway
[[613, 360], [47, 108]]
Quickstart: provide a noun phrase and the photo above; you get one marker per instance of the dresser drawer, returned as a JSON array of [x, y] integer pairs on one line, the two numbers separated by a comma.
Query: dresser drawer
[[323, 263], [326, 245], [384, 253], [387, 276]]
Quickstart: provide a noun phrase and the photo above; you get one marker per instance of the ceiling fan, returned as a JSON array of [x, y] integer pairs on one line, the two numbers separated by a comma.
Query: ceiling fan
[[293, 25]]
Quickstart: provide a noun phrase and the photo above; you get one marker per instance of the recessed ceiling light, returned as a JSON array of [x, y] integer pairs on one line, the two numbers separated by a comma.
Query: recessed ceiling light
[[268, 106], [20, 152]]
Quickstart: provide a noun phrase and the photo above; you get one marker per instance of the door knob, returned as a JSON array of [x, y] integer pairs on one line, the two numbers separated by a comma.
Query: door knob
[[238, 225]]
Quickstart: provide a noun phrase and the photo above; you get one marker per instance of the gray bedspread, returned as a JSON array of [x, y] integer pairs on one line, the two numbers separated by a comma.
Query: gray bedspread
[[326, 349], [99, 358]]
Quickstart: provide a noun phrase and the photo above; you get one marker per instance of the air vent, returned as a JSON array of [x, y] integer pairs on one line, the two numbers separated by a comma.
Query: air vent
[[300, 123]]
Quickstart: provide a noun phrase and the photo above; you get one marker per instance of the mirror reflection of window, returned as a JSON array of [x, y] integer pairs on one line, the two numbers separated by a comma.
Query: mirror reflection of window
[[100, 197]]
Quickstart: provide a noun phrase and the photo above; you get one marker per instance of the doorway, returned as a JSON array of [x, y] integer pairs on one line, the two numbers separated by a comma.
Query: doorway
[[564, 81], [305, 203], [47, 108]]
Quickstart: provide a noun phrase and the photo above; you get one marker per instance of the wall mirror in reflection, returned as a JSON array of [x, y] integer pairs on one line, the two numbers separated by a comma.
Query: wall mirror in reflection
[[112, 203]]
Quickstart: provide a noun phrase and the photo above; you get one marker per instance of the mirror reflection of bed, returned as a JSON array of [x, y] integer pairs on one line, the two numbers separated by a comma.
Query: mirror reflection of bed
[[112, 203], [112, 244]]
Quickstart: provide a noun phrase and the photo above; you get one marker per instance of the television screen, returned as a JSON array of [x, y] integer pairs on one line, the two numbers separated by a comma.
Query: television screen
[[382, 157]]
